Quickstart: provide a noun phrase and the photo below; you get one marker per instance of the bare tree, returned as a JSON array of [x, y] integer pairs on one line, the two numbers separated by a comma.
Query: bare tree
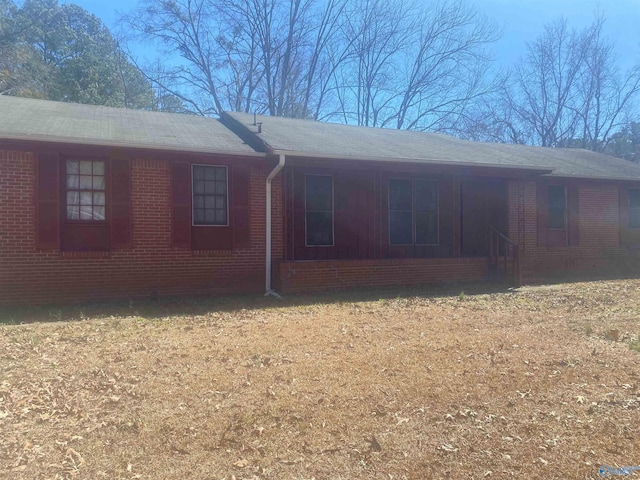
[[411, 66], [446, 67], [545, 93], [188, 29], [568, 91], [606, 94], [373, 62]]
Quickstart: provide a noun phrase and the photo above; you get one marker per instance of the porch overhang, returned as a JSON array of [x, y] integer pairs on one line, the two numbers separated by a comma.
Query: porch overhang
[[385, 163]]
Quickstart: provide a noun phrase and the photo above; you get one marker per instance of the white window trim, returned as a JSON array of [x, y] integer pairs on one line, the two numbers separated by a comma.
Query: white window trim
[[333, 207], [193, 224], [413, 213]]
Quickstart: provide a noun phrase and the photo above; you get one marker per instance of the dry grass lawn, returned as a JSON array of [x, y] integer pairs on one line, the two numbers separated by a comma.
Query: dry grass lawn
[[414, 384]]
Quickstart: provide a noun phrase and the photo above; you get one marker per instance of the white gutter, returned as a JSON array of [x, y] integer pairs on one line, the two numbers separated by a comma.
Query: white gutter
[[270, 177]]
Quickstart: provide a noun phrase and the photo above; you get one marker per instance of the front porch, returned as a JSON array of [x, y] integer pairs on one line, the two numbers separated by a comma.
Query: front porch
[[395, 225]]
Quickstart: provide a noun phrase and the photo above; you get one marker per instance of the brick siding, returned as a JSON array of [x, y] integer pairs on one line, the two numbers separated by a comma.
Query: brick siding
[[599, 246], [150, 267], [333, 274]]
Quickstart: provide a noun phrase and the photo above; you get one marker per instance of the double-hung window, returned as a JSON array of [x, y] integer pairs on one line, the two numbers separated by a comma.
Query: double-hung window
[[634, 208], [210, 195], [413, 212], [85, 190], [319, 210], [557, 207]]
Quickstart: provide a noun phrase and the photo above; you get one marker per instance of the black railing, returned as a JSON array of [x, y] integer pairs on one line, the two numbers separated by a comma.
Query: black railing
[[504, 254]]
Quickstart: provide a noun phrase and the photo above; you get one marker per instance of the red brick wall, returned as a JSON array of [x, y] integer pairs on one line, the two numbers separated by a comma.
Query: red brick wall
[[599, 245], [332, 274], [150, 267]]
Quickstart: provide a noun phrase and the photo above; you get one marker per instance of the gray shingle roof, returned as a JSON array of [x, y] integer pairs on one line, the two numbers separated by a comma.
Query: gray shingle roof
[[46, 121], [319, 139]]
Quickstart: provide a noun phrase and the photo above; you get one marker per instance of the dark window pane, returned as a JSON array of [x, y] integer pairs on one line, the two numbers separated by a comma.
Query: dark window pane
[[426, 229], [98, 213], [73, 166], [86, 168], [210, 201], [198, 172], [319, 228], [400, 228], [634, 198], [210, 188], [400, 196], [73, 181], [557, 197], [557, 203], [319, 193], [426, 197], [210, 217], [556, 218]]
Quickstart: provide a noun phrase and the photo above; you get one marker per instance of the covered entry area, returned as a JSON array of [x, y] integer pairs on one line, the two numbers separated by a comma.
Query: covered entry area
[[483, 206]]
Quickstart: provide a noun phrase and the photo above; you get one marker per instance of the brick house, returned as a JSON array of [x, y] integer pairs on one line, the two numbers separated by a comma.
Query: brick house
[[97, 202]]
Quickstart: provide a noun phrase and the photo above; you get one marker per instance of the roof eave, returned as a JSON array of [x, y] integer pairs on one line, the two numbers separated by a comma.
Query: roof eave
[[132, 145], [421, 161], [595, 177]]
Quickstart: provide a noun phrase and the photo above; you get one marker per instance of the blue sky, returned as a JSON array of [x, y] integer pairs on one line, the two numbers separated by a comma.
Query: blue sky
[[521, 20]]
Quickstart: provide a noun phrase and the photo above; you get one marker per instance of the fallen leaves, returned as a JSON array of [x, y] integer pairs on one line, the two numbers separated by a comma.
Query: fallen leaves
[[496, 386]]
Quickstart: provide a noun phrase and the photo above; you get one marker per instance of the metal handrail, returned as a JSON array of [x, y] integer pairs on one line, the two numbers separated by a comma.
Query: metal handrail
[[502, 235]]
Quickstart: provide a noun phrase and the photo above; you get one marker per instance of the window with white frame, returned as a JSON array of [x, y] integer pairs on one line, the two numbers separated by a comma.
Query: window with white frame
[[319, 210], [413, 212], [85, 190], [210, 195]]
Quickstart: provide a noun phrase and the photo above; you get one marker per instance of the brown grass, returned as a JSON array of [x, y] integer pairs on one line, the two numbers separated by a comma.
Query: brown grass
[[538, 383]]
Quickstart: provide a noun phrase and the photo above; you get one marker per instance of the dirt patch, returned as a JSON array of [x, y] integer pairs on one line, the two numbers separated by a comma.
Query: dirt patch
[[526, 384]]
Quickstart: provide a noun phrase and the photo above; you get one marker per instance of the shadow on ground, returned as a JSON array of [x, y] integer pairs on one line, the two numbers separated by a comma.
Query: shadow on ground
[[170, 306]]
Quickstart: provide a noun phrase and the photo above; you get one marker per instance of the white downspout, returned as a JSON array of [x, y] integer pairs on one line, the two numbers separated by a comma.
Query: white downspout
[[270, 177]]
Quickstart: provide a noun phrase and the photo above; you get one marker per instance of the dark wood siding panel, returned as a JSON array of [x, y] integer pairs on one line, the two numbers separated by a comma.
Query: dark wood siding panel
[[240, 212], [121, 218], [48, 202], [446, 214], [541, 200], [181, 205], [298, 227], [573, 214]]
